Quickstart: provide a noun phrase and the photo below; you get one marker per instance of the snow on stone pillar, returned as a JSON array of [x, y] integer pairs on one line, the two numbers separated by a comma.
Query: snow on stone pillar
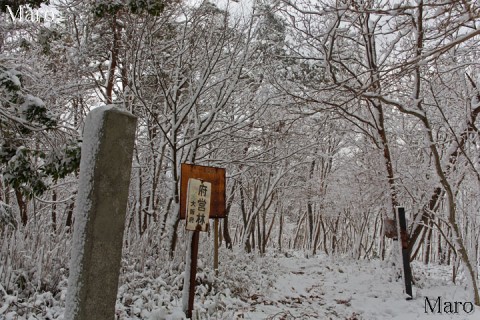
[[101, 204]]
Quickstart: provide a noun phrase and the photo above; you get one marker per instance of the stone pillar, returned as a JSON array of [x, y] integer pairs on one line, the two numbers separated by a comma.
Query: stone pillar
[[105, 167]]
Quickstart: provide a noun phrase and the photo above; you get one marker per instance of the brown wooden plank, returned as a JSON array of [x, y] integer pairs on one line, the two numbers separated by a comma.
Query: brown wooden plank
[[216, 176]]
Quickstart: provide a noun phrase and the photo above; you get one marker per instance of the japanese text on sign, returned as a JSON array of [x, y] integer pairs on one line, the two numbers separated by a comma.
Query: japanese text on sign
[[198, 204]]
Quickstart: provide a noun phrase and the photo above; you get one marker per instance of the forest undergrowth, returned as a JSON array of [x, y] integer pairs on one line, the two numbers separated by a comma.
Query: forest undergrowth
[[34, 273]]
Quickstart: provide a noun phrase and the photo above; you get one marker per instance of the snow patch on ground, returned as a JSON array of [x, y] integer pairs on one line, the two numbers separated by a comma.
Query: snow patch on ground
[[276, 286]]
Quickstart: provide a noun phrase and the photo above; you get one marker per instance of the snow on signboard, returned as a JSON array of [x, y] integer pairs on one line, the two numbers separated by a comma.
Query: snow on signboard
[[198, 204]]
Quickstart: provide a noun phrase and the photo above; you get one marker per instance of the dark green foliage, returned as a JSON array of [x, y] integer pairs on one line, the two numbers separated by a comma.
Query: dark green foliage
[[20, 173], [29, 170], [152, 7], [105, 8], [60, 163], [25, 110], [14, 5], [10, 80], [45, 38], [35, 112], [26, 162], [111, 7]]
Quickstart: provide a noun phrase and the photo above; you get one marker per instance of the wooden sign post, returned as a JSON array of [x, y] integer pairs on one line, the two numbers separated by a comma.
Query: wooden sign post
[[202, 196], [215, 176], [403, 236], [215, 246], [198, 206]]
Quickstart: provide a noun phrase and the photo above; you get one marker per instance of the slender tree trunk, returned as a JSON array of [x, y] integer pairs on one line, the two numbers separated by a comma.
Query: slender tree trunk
[[441, 253], [69, 220], [310, 209], [452, 217], [22, 206], [371, 51], [226, 232], [113, 61], [267, 236], [334, 235], [387, 158], [428, 245], [317, 238], [173, 243], [325, 246], [421, 242], [280, 231], [252, 232], [259, 234], [424, 214], [297, 232], [54, 210], [138, 200]]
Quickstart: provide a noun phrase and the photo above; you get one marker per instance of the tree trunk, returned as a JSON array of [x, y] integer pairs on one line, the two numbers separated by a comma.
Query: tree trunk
[[226, 234], [310, 209], [280, 231], [317, 238], [267, 236], [22, 206], [325, 247], [54, 211], [113, 61], [428, 245], [452, 217]]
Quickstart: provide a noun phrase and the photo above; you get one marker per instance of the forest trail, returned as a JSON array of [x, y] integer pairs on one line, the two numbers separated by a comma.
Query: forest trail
[[340, 288], [277, 287]]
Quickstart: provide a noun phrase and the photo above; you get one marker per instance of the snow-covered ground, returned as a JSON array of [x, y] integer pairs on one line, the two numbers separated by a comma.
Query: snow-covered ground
[[273, 287], [329, 288]]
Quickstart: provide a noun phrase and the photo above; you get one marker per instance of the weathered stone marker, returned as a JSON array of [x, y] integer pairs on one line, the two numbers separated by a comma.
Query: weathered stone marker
[[105, 167]]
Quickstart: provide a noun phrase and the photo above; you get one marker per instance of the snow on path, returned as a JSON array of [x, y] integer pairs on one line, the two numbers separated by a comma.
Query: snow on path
[[336, 288], [271, 287]]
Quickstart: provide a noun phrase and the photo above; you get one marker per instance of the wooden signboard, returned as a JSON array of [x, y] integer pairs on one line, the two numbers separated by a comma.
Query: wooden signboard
[[212, 175], [202, 195], [198, 204]]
